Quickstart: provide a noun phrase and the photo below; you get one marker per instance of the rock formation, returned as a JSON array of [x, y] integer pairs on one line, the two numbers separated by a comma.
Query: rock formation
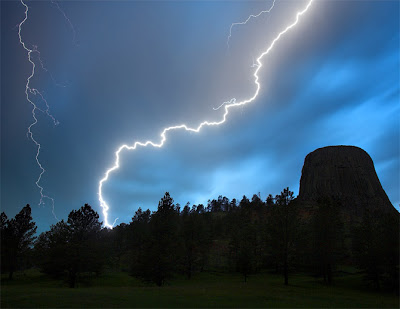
[[345, 174]]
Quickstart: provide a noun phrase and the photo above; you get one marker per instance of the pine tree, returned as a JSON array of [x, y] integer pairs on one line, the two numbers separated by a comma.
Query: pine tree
[[282, 229], [18, 235]]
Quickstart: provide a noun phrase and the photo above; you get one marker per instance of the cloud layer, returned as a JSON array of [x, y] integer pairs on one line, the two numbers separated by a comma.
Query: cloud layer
[[142, 66]]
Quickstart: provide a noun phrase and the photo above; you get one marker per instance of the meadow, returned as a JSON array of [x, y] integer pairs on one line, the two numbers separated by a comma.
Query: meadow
[[31, 289]]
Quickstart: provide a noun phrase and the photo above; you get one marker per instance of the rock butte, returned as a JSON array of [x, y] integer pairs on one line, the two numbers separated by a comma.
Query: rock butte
[[347, 175]]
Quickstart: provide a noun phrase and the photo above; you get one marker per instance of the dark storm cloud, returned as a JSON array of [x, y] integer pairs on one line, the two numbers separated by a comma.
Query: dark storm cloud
[[139, 67]]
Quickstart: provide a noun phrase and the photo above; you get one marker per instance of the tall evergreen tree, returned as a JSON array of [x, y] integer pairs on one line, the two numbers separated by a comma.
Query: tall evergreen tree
[[18, 235], [327, 235], [84, 248], [282, 229], [195, 241], [243, 242], [376, 248], [52, 250], [73, 246], [5, 240], [139, 241], [160, 259]]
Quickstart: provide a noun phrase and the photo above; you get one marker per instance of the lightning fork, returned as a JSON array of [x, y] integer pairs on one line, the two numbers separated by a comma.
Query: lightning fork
[[247, 20], [227, 107], [32, 91], [39, 58], [229, 37], [67, 19]]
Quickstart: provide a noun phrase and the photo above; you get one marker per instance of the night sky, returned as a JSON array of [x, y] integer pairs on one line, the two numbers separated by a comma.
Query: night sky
[[121, 71]]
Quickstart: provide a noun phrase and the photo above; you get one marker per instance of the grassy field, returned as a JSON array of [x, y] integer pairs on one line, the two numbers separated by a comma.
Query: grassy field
[[112, 290]]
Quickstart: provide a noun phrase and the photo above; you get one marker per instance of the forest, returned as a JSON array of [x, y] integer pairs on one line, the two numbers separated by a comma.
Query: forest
[[250, 236]]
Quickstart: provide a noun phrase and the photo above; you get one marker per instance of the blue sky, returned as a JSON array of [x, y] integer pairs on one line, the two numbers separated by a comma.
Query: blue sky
[[121, 71]]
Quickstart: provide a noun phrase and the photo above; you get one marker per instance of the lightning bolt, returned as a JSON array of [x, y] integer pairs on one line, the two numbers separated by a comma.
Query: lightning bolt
[[30, 91], [39, 58], [227, 106], [228, 40], [247, 20], [35, 92], [67, 19]]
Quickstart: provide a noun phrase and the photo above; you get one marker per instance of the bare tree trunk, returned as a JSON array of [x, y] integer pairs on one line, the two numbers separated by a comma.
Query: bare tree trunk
[[285, 271], [72, 278], [10, 275], [329, 274]]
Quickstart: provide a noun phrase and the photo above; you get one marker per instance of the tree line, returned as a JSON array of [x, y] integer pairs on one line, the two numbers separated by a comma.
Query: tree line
[[247, 236]]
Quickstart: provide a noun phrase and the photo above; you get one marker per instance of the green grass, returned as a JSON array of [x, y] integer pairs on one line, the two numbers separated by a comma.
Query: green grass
[[204, 290]]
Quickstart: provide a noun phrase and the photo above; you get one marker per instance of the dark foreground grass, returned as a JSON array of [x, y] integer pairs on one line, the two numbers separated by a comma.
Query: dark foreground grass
[[204, 290]]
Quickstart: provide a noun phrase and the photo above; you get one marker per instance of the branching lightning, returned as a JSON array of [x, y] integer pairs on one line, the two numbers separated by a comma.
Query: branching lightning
[[33, 92], [247, 20], [229, 38], [67, 19], [39, 58], [227, 106]]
